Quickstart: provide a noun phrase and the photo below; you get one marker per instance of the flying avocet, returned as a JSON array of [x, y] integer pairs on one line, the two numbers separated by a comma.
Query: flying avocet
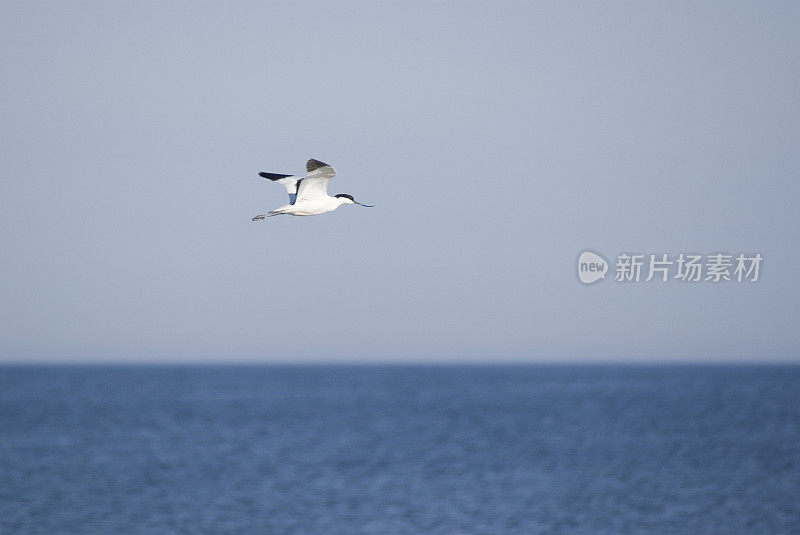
[[308, 195]]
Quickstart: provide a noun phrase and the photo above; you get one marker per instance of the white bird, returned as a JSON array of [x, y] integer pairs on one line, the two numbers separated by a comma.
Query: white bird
[[308, 195]]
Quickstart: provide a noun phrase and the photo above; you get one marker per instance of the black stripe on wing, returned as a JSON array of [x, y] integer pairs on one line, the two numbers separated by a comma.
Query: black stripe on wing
[[312, 165], [273, 176]]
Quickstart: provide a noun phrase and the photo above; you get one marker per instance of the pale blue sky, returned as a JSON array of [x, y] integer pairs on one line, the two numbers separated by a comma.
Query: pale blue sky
[[498, 141]]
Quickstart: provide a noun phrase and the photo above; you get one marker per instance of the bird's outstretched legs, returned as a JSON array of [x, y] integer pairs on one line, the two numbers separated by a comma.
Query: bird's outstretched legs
[[259, 217]]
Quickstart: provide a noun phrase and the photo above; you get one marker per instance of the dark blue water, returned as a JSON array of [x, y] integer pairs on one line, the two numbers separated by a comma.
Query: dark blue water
[[411, 450]]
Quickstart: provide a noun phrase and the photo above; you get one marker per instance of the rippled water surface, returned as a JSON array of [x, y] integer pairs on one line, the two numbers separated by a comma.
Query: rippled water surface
[[411, 450]]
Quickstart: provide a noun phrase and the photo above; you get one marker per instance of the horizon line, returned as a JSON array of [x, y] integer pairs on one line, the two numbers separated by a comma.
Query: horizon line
[[397, 363]]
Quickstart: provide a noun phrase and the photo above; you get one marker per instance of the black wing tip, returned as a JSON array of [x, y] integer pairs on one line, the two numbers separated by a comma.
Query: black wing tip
[[312, 165], [273, 176]]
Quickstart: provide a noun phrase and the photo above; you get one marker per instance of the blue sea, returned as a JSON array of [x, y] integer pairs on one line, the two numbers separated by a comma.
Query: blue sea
[[579, 449]]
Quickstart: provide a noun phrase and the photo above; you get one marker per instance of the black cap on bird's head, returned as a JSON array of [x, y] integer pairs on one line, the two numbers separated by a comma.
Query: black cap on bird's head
[[350, 197]]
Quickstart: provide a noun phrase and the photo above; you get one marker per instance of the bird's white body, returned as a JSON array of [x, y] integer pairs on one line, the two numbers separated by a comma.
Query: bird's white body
[[308, 195], [312, 206]]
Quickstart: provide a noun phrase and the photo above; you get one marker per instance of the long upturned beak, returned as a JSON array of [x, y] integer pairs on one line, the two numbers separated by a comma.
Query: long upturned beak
[[365, 205]]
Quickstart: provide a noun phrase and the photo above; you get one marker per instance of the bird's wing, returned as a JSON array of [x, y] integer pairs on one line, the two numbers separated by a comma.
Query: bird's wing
[[290, 182], [315, 184]]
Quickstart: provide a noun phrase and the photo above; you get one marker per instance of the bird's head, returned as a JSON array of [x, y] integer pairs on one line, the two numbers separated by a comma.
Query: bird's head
[[345, 198]]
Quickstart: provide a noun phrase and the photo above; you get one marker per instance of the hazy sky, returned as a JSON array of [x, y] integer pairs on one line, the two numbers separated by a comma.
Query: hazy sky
[[498, 141]]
